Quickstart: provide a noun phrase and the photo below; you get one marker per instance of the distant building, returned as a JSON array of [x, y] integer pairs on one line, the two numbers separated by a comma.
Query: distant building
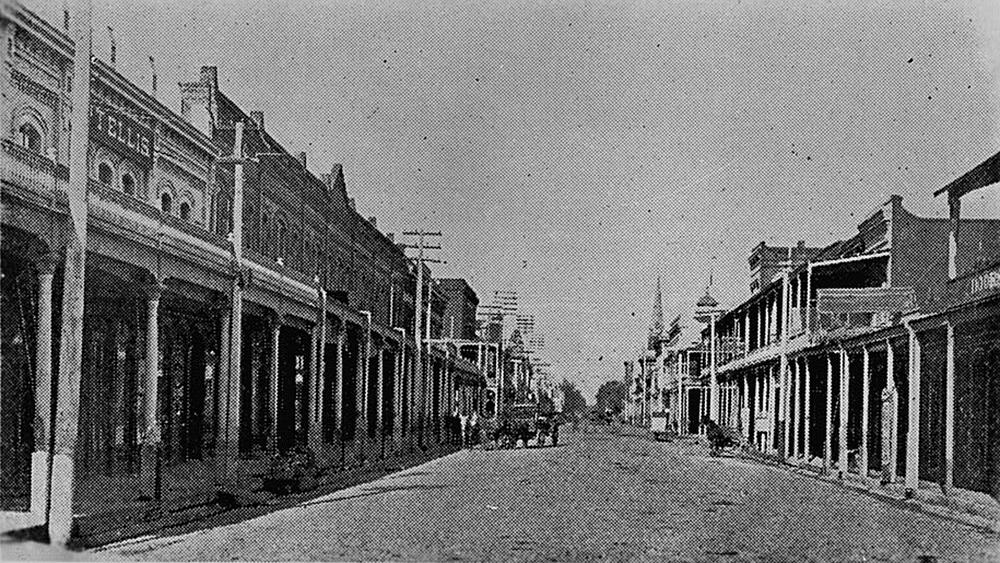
[[461, 304]]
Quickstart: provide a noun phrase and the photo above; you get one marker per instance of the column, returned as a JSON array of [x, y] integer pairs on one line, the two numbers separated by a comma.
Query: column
[[314, 429], [222, 379], [793, 390], [772, 407], [150, 383], [807, 409], [949, 409], [397, 419], [828, 417], [745, 409], [865, 388], [274, 375], [364, 358], [43, 388], [338, 383], [379, 389], [321, 409], [890, 442], [231, 443], [756, 405], [845, 382], [913, 424]]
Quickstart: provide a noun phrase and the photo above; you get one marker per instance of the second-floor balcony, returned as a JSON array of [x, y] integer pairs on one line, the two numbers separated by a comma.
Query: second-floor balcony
[[30, 170]]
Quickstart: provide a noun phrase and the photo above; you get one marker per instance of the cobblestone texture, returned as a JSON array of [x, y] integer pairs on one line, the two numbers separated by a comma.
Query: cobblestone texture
[[604, 495]]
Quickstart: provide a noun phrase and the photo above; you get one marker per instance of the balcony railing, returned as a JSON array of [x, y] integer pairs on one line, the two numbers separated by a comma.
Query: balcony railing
[[31, 170]]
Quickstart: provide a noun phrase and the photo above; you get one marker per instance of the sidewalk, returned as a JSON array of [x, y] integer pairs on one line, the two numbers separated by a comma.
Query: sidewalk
[[969, 507]]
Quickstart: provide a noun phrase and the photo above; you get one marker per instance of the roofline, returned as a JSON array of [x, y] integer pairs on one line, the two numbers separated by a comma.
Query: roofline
[[984, 174], [20, 14]]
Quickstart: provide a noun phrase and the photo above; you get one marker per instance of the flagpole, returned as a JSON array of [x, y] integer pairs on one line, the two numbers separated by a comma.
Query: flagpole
[[60, 513]]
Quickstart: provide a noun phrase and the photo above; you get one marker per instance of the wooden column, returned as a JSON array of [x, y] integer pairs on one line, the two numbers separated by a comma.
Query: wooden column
[[43, 388], [756, 404], [890, 441], [772, 407], [314, 430], [865, 389], [807, 410], [379, 390], [949, 409], [793, 391], [845, 382], [828, 417], [150, 390], [913, 424], [338, 382], [274, 375]]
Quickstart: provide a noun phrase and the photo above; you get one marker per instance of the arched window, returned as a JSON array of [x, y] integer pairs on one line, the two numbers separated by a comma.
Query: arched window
[[30, 139], [128, 184], [104, 174], [165, 203], [185, 211]]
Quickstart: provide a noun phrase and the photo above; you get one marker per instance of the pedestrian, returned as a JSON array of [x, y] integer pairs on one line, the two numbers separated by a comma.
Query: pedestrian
[[463, 428], [474, 428]]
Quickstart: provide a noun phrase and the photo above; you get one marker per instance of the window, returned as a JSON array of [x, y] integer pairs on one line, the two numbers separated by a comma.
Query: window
[[185, 211], [31, 139], [165, 202], [104, 174], [128, 184]]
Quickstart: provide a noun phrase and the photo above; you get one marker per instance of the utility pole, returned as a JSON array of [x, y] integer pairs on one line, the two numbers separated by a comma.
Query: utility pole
[[60, 513], [418, 311]]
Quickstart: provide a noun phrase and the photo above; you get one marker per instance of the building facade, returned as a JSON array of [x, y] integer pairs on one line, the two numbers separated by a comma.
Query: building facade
[[237, 310]]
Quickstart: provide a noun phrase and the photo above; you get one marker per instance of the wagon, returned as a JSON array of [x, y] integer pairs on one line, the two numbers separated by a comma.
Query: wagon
[[659, 425]]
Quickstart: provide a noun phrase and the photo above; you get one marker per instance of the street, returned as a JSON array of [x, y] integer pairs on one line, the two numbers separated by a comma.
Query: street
[[601, 495]]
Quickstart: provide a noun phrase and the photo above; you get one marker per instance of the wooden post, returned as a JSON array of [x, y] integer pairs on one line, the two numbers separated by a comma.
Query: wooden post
[[845, 382], [43, 388], [949, 409], [338, 382], [321, 408], [67, 417], [913, 424], [150, 391], [807, 414], [865, 389], [379, 389], [274, 328], [828, 417], [890, 426], [793, 390]]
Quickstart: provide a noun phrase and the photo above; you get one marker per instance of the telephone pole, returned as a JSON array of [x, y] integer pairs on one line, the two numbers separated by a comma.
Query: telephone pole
[[418, 311]]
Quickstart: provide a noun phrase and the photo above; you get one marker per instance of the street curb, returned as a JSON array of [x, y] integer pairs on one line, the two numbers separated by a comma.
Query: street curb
[[983, 518]]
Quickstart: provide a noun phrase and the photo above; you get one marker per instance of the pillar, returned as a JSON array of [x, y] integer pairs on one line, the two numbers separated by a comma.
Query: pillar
[[949, 409], [845, 382], [338, 383], [890, 432], [913, 424], [745, 408], [150, 389], [865, 388], [315, 430], [807, 409], [43, 389], [274, 331], [756, 403], [772, 407], [379, 390], [229, 452], [828, 417], [793, 390]]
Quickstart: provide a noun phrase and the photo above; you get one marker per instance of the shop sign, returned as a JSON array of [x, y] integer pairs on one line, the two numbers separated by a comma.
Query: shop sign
[[122, 131], [986, 281]]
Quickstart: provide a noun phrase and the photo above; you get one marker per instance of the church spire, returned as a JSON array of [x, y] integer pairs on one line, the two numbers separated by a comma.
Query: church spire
[[656, 326]]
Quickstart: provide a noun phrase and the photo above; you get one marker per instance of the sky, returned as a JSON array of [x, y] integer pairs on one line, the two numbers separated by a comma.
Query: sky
[[575, 151]]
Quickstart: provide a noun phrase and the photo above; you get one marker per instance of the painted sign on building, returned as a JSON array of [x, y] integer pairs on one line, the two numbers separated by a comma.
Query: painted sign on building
[[121, 131]]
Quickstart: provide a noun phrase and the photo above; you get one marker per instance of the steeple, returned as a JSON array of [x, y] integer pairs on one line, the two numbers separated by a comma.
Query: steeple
[[656, 326]]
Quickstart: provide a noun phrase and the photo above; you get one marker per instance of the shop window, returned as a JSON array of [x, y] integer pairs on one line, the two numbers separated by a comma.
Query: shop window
[[104, 174], [165, 203], [128, 184]]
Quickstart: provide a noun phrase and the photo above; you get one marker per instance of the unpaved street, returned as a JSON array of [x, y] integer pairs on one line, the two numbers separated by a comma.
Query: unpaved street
[[598, 496]]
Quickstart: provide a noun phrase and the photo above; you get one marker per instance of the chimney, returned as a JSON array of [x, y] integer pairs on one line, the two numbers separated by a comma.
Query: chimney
[[210, 77], [800, 244], [302, 159], [373, 221], [258, 118]]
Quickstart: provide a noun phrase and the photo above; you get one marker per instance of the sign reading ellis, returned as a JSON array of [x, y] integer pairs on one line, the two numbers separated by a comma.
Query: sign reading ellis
[[122, 131]]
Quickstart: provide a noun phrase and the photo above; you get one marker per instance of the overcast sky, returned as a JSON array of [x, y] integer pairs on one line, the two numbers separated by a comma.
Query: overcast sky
[[573, 151]]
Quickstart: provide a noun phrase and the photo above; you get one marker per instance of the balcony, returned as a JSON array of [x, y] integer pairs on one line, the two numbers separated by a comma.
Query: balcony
[[841, 311], [31, 170]]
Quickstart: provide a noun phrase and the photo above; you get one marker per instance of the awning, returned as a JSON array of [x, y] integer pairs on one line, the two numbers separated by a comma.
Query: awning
[[985, 174]]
